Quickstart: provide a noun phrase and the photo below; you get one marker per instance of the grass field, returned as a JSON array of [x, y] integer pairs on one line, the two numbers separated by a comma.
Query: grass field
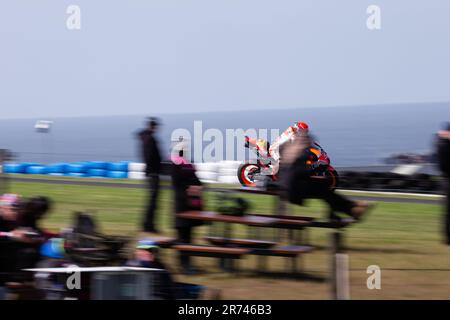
[[403, 239]]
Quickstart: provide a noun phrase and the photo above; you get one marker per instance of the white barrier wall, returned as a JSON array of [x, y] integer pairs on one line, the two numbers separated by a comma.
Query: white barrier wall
[[227, 172], [207, 172]]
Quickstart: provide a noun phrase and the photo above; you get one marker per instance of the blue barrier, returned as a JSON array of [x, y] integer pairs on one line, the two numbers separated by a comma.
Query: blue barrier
[[56, 174], [97, 165], [57, 168], [30, 164], [96, 169], [117, 166], [75, 174], [96, 173], [36, 170], [14, 168], [117, 174], [76, 168]]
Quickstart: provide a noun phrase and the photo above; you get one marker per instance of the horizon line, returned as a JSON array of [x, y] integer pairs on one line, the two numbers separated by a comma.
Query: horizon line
[[227, 111]]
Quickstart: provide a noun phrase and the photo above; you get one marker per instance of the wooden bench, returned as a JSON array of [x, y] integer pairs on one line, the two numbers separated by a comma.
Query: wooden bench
[[264, 249], [246, 243], [291, 252], [162, 241], [283, 251], [212, 251], [279, 216], [226, 254]]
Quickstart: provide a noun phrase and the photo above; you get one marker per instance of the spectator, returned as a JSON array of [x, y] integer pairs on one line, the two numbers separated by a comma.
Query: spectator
[[444, 165], [152, 158], [300, 182], [33, 211], [8, 222], [29, 234], [21, 238], [146, 255], [188, 192]]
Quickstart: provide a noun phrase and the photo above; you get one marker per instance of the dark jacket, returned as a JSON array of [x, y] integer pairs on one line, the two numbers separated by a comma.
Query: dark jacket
[[297, 177], [163, 286], [15, 255], [184, 176], [443, 152], [7, 253], [150, 152]]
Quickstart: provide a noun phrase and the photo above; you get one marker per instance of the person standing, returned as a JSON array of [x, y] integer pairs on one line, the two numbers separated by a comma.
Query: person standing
[[444, 164], [152, 159], [187, 197]]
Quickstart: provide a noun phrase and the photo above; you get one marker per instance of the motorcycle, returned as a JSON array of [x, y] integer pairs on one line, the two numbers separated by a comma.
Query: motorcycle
[[251, 171]]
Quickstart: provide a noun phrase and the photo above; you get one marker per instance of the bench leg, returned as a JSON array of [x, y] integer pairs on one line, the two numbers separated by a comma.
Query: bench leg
[[262, 263], [302, 237], [224, 264], [306, 236], [292, 263], [233, 266], [298, 237], [291, 236], [228, 265]]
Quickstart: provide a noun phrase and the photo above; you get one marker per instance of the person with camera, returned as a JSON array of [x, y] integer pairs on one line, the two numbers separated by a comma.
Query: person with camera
[[20, 236], [146, 255]]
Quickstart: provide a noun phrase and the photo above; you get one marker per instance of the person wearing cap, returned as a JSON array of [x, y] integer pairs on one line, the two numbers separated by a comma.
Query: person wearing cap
[[443, 152], [146, 255], [152, 159]]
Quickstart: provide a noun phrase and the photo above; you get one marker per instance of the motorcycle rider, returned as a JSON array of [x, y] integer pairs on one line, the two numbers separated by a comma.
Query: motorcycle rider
[[300, 182], [288, 135]]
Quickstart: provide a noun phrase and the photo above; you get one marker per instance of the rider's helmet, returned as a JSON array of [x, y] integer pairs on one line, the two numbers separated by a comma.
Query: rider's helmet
[[302, 126]]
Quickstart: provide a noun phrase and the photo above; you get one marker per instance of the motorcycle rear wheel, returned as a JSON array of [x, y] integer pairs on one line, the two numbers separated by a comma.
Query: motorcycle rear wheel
[[333, 178], [246, 174]]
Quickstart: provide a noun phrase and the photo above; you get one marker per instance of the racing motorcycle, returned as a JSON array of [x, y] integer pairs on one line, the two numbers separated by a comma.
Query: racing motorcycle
[[251, 171]]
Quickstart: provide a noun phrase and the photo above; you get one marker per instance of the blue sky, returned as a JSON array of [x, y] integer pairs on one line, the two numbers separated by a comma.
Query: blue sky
[[165, 56]]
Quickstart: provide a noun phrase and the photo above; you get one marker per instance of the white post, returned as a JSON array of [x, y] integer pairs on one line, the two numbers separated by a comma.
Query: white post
[[342, 277]]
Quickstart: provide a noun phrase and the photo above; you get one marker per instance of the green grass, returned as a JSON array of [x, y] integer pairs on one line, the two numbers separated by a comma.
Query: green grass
[[67, 178], [403, 239]]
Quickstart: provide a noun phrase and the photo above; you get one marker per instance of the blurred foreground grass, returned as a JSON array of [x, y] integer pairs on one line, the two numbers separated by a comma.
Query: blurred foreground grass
[[404, 239]]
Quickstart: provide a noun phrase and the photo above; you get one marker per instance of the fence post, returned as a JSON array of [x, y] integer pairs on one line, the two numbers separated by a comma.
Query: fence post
[[340, 268], [4, 156]]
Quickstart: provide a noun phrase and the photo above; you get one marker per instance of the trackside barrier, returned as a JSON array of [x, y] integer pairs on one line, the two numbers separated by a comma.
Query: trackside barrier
[[401, 179]]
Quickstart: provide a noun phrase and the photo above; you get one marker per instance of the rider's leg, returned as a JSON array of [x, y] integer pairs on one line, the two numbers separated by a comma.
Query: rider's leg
[[274, 149], [274, 159]]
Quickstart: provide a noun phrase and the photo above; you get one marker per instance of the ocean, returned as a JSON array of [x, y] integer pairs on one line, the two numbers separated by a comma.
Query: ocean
[[352, 136]]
